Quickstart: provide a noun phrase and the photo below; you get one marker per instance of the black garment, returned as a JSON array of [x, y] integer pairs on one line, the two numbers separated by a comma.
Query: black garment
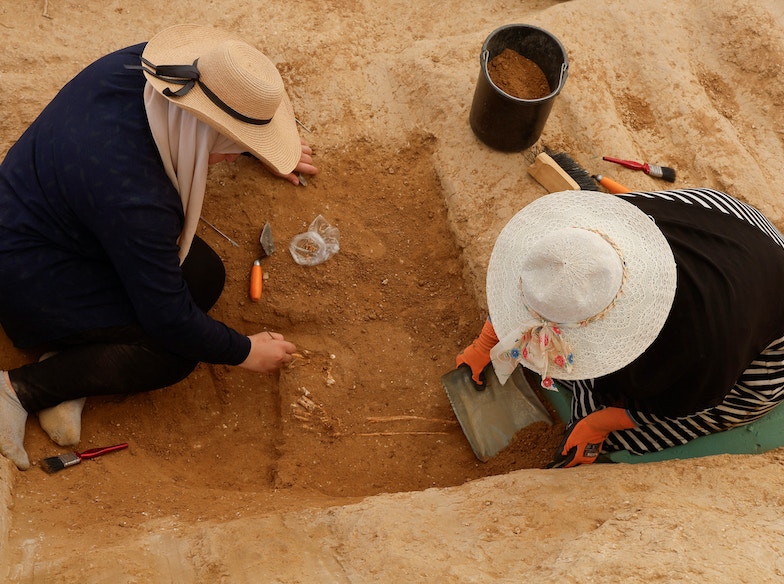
[[118, 360], [727, 307]]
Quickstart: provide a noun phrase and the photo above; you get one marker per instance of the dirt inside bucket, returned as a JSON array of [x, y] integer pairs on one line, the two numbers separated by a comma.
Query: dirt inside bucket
[[518, 76]]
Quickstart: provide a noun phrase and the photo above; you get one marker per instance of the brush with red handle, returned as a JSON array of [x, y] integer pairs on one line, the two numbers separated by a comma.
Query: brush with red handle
[[55, 463], [662, 172]]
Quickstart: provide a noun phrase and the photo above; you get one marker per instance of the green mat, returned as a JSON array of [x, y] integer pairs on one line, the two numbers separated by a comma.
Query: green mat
[[765, 434]]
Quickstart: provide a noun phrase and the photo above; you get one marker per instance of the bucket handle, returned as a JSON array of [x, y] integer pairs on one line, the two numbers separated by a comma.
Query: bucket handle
[[564, 75], [485, 57]]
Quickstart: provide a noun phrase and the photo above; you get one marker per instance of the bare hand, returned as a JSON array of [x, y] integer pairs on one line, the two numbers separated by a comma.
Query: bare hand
[[305, 165], [268, 352]]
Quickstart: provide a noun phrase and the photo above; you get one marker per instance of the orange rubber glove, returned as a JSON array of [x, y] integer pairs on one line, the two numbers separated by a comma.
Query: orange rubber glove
[[583, 440], [477, 354]]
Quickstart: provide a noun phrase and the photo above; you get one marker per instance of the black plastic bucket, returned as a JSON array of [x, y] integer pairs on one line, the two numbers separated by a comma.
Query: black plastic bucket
[[505, 122]]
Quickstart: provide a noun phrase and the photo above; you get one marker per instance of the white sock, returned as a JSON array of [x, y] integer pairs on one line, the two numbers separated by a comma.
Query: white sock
[[12, 425], [63, 422]]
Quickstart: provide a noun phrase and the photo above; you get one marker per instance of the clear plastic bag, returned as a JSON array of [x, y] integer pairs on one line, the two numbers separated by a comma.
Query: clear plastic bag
[[319, 243]]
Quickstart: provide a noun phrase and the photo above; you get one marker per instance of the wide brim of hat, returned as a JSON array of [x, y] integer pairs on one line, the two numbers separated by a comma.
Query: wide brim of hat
[[625, 331], [277, 143]]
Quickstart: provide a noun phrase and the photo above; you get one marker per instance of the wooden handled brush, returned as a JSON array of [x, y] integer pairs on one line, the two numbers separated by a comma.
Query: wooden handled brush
[[557, 171], [55, 463]]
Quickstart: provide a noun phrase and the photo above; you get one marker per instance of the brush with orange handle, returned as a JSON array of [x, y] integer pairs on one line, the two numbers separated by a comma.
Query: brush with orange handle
[[612, 186]]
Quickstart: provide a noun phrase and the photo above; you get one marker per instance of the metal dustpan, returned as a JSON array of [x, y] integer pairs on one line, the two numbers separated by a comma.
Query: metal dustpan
[[491, 417]]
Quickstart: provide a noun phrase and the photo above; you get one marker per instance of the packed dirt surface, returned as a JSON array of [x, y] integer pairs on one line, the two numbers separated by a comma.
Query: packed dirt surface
[[349, 465]]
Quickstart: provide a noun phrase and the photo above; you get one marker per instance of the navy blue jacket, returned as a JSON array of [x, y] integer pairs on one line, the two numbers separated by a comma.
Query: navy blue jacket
[[89, 223]]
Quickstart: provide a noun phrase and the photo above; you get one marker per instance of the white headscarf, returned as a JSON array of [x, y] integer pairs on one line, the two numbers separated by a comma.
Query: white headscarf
[[185, 144]]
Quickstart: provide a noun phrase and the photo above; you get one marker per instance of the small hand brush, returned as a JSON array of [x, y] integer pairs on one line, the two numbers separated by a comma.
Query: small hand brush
[[55, 463], [613, 187], [574, 170], [662, 172]]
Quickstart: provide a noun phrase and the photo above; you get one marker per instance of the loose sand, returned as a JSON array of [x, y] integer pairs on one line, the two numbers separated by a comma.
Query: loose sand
[[233, 477]]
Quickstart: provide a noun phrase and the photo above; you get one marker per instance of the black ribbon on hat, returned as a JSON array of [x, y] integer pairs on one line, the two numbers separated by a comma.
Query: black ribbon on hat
[[188, 76]]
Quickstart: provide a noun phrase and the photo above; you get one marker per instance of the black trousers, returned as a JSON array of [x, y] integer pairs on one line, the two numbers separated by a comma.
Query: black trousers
[[118, 360]]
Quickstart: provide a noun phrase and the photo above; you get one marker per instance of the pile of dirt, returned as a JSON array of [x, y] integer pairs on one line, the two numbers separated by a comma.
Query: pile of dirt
[[518, 76]]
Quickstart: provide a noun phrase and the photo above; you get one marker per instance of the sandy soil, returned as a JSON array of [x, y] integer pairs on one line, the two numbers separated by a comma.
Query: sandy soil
[[232, 477]]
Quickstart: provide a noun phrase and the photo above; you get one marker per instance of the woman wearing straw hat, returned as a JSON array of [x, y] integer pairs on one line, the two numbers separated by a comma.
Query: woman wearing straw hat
[[660, 311], [99, 203]]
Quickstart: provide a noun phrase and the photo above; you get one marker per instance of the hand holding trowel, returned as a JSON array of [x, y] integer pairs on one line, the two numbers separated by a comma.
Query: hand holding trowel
[[489, 413], [477, 354]]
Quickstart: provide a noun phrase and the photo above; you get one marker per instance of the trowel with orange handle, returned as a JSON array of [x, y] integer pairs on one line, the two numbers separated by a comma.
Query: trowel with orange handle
[[256, 274]]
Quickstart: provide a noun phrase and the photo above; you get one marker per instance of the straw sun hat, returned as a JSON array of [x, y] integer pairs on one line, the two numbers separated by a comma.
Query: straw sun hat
[[579, 284], [228, 84]]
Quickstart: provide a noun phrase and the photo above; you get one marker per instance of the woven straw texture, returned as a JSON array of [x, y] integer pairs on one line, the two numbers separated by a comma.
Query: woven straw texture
[[242, 77], [641, 309]]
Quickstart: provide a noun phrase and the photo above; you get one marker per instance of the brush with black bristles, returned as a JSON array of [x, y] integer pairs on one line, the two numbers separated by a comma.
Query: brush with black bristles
[[577, 173], [662, 172], [55, 463]]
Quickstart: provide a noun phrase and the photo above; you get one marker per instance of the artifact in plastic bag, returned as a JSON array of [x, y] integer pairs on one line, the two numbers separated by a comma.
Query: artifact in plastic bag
[[317, 244]]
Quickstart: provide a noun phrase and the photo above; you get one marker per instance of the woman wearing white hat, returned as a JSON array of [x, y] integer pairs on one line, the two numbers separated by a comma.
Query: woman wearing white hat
[[99, 203], [661, 312]]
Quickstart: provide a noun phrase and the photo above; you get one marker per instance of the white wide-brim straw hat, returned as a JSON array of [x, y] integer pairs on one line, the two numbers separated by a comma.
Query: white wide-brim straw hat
[[239, 91], [591, 264]]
